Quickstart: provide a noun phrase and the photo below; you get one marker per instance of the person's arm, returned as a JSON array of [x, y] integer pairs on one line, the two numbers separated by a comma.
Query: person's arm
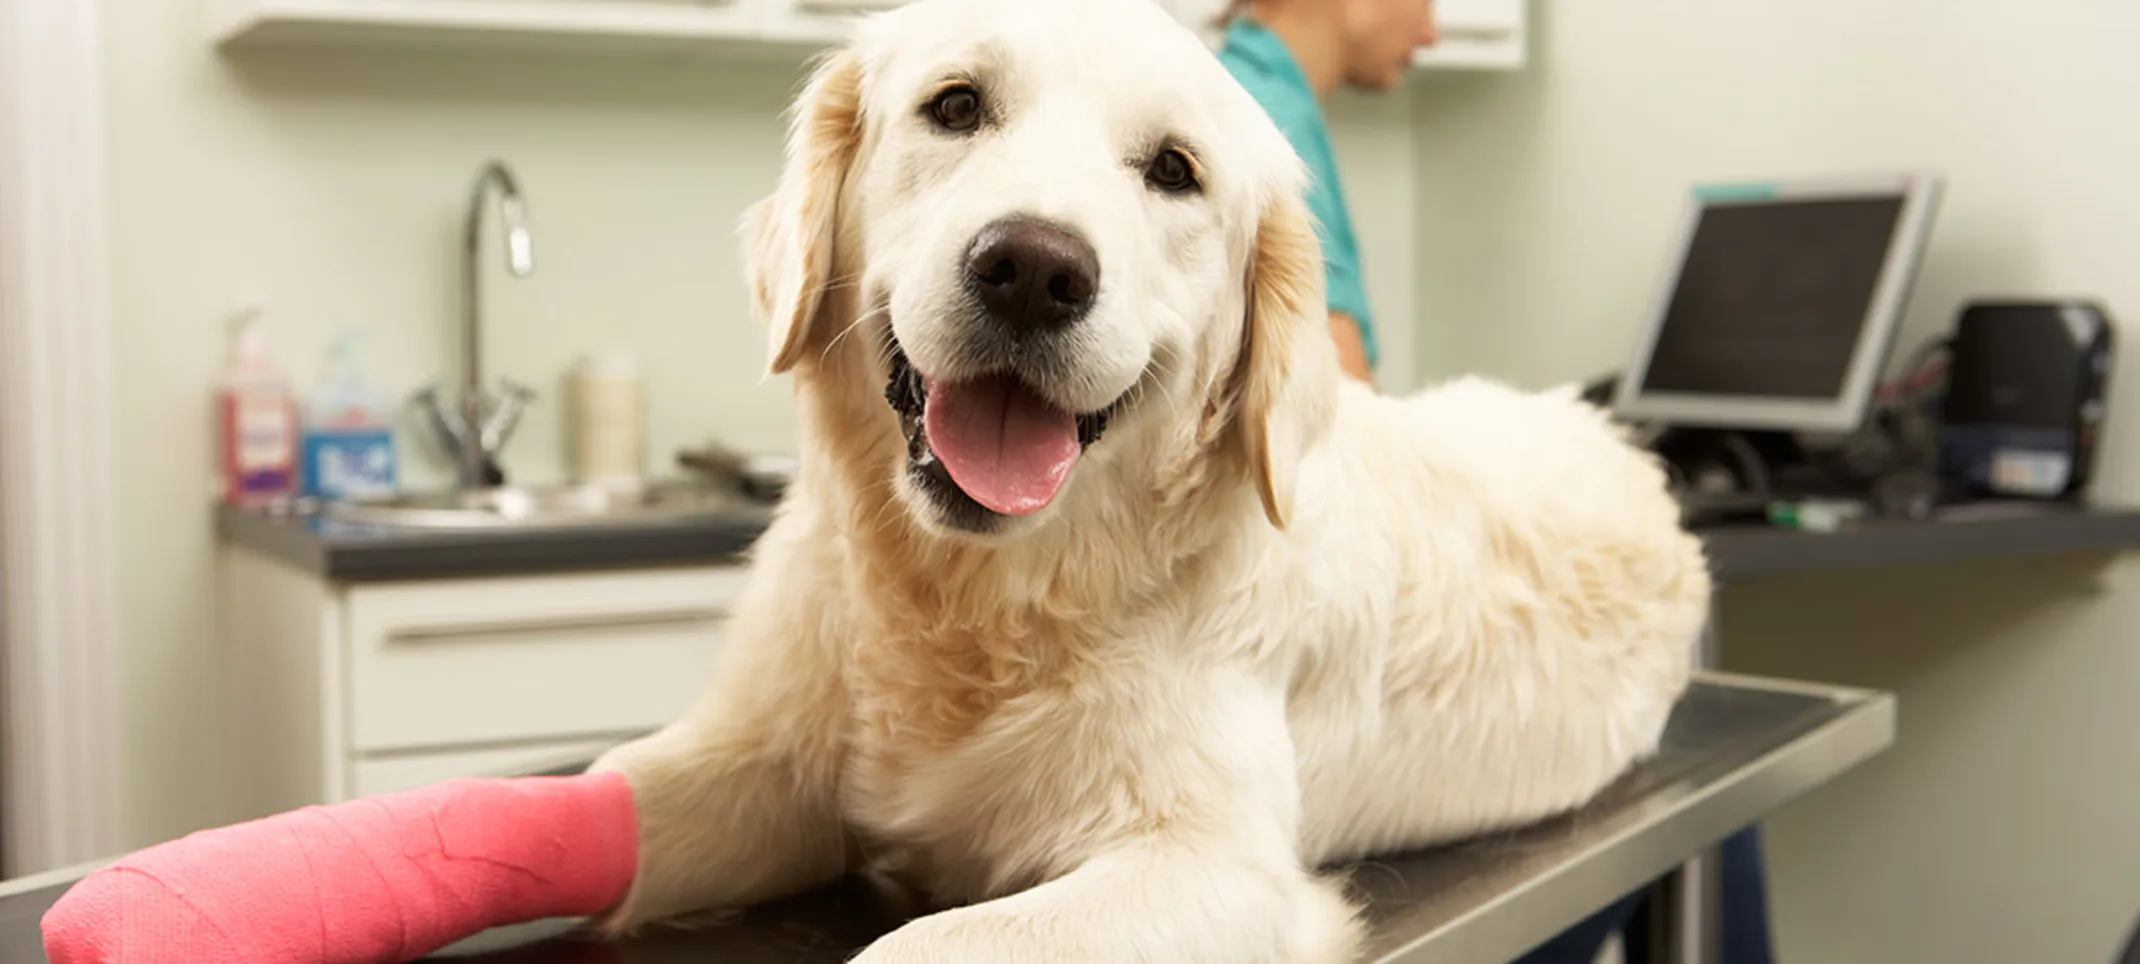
[[1259, 61], [1351, 347]]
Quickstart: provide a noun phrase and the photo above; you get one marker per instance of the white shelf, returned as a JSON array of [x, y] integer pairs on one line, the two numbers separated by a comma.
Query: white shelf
[[1477, 34], [610, 26]]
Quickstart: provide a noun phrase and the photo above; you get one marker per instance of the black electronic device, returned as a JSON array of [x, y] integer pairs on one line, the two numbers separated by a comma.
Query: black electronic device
[[2027, 388], [1774, 319], [1779, 307]]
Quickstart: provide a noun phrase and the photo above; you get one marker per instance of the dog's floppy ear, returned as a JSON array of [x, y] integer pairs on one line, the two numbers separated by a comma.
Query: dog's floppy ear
[[789, 236], [1288, 372]]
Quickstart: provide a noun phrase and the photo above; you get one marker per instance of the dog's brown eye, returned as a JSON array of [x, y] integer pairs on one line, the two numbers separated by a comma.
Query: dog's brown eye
[[1171, 172], [956, 109]]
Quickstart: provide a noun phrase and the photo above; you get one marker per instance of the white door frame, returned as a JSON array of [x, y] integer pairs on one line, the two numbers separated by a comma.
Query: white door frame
[[59, 682]]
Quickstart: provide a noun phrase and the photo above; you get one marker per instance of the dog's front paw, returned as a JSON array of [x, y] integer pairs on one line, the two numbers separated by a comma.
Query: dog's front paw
[[968, 935]]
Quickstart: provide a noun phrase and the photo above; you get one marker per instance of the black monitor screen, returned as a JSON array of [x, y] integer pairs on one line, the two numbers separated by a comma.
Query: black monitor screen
[[1772, 297]]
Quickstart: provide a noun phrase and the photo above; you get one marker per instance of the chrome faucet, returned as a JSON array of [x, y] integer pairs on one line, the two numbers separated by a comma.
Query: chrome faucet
[[474, 428]]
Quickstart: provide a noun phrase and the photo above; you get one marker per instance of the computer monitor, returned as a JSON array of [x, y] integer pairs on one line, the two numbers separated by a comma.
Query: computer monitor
[[1782, 306]]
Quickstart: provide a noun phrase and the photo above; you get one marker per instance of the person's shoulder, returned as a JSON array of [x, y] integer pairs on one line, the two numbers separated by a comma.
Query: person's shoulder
[[1264, 67], [1260, 62]]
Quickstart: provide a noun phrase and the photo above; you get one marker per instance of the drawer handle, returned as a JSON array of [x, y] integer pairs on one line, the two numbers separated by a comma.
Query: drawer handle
[[554, 622]]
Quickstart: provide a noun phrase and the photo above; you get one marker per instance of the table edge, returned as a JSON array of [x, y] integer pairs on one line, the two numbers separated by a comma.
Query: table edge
[[1510, 924]]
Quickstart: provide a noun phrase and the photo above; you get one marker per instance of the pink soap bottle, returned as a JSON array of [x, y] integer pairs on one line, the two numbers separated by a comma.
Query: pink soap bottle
[[256, 417]]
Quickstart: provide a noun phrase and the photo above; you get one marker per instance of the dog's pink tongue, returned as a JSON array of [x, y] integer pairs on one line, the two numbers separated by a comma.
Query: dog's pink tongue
[[1004, 446]]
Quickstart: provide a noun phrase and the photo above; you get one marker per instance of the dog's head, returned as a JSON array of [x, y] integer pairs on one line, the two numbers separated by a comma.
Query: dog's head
[[1062, 226]]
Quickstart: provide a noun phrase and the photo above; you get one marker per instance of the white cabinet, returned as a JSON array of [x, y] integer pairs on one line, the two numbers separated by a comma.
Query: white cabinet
[[1475, 34], [393, 774], [1479, 35], [344, 690]]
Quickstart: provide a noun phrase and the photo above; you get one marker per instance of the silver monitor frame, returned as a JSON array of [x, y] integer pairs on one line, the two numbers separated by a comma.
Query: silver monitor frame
[[1920, 193]]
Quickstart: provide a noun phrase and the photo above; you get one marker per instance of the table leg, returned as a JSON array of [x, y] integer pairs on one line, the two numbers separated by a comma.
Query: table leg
[[1686, 928]]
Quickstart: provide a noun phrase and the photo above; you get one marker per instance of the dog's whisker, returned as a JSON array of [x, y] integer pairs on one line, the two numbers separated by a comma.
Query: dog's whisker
[[843, 332], [887, 508], [1165, 371], [883, 346], [842, 282]]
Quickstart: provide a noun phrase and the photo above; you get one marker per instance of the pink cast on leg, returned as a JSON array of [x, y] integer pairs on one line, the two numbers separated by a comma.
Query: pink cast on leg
[[373, 881]]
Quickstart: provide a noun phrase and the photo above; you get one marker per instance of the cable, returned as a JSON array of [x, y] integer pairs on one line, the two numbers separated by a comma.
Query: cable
[[1900, 433], [1753, 466]]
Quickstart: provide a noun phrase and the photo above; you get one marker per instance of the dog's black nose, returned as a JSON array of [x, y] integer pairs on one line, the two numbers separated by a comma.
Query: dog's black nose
[[1031, 275]]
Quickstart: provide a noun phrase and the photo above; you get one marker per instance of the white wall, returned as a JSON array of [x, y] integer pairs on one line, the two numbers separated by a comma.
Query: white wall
[[2002, 827], [333, 186]]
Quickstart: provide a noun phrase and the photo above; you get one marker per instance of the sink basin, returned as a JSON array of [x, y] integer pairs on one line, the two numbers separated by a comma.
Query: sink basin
[[514, 507]]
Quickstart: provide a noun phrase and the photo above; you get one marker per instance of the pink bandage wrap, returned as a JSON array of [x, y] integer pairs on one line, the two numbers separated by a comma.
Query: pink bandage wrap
[[382, 879]]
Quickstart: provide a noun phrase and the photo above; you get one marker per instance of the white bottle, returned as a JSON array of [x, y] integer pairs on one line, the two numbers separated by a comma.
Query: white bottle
[[608, 420]]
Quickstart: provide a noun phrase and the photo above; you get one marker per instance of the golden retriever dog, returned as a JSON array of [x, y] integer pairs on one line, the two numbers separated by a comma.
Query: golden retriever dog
[[1103, 611]]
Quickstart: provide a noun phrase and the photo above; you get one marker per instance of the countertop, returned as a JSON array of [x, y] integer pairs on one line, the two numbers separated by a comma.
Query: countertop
[[343, 552], [340, 552], [1736, 749], [1978, 531]]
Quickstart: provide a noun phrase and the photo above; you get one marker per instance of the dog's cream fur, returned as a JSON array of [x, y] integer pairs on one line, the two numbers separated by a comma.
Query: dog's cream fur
[[1274, 621]]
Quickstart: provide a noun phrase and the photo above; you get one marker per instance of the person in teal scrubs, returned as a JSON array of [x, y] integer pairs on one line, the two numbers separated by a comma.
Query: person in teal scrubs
[[1291, 55]]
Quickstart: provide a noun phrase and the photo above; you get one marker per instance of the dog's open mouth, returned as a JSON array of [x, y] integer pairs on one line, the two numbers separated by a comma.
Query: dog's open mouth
[[993, 438]]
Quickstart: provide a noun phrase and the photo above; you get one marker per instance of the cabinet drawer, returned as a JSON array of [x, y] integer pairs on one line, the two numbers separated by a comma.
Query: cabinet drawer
[[510, 660], [397, 773]]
